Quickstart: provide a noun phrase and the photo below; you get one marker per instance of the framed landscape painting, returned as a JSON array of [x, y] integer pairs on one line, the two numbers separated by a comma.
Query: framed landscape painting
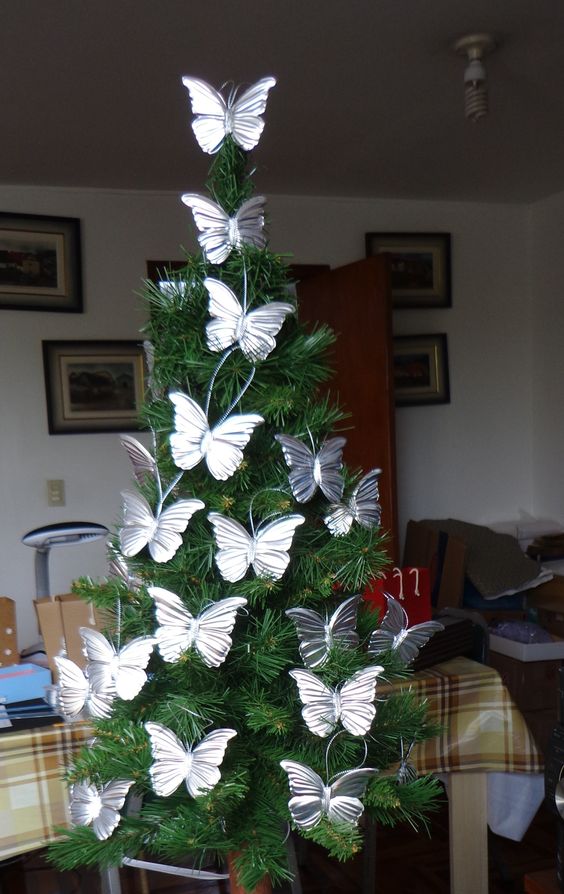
[[420, 274], [420, 365]]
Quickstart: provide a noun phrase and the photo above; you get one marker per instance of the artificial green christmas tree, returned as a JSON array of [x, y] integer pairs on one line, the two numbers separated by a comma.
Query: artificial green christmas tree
[[236, 690]]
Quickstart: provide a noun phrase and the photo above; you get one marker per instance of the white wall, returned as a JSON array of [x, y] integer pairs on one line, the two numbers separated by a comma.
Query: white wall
[[470, 459]]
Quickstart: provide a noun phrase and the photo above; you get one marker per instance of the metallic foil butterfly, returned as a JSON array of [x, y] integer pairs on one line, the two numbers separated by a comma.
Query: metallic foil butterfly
[[78, 695], [266, 550], [362, 507], [179, 630], [174, 762], [312, 470], [221, 446], [239, 116], [123, 671], [143, 463], [253, 331], [161, 533], [394, 633], [219, 234], [312, 799], [119, 568], [98, 807], [317, 635], [352, 702]]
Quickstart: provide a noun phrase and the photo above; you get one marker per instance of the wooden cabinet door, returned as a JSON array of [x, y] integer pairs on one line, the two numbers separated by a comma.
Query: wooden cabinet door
[[355, 301]]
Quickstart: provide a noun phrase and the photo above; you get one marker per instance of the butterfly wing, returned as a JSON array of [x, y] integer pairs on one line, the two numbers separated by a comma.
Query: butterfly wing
[[83, 797], [213, 640], [357, 700], [141, 460], [300, 460], [345, 805], [342, 624], [260, 327], [191, 426], [174, 634], [339, 519], [138, 523], [170, 759], [209, 108], [329, 461], [364, 501], [306, 805], [319, 711], [392, 629], [224, 451], [223, 330], [133, 658], [171, 523], [113, 797], [214, 225], [73, 687], [247, 125], [248, 223], [311, 631], [272, 543], [415, 638], [235, 544], [206, 758]]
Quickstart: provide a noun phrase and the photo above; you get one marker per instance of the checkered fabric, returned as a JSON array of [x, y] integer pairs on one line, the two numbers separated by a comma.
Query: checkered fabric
[[33, 794], [483, 730]]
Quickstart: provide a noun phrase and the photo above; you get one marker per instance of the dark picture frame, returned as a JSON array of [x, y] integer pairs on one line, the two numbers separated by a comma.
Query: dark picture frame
[[420, 267], [40, 263], [93, 386], [420, 366]]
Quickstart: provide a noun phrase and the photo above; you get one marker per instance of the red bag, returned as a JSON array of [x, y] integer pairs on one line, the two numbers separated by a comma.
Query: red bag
[[410, 586]]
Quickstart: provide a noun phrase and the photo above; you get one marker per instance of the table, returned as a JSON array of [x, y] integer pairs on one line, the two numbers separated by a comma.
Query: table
[[33, 794], [485, 739]]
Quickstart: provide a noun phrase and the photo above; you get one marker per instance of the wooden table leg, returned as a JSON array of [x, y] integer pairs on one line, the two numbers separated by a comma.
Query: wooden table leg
[[468, 827]]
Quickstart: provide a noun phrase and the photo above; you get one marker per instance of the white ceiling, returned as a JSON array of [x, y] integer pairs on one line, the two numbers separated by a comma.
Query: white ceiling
[[369, 99]]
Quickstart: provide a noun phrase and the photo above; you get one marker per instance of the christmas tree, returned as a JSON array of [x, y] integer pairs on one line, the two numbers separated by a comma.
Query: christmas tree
[[235, 693]]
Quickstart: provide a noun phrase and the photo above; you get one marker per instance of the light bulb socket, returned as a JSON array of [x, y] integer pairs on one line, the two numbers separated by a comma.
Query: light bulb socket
[[475, 73]]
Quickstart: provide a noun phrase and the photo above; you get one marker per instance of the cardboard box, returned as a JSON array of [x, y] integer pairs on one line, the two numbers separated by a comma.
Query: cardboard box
[[527, 651], [22, 682], [60, 619], [8, 635]]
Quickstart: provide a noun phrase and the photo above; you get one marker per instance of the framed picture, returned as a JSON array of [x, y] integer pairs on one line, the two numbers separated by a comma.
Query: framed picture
[[419, 267], [40, 263], [420, 366], [93, 386]]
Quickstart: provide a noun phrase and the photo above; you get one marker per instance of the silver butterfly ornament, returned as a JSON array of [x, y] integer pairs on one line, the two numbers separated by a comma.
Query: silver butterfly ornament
[[175, 762], [395, 633], [142, 461], [161, 532], [239, 116], [310, 471], [253, 331], [267, 550], [218, 233], [352, 702], [312, 799], [221, 446], [208, 633], [362, 507], [98, 807], [121, 671], [78, 695], [317, 634]]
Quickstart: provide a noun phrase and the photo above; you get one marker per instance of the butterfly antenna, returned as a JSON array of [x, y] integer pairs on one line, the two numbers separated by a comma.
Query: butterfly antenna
[[265, 490], [167, 492], [244, 287], [118, 620], [234, 403], [311, 439], [222, 360]]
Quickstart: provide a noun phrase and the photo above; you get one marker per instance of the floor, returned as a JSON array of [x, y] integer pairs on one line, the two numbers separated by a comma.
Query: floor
[[406, 863]]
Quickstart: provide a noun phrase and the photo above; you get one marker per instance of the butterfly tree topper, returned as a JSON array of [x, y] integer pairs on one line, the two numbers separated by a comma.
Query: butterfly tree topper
[[362, 507], [352, 702], [123, 671], [174, 762], [312, 799], [253, 331], [78, 695], [98, 807], [317, 634], [219, 234], [266, 550], [221, 446], [396, 634], [179, 630], [239, 116], [161, 533], [311, 470]]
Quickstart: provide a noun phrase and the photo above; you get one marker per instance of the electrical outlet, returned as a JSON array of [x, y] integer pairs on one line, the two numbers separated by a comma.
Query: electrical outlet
[[55, 492]]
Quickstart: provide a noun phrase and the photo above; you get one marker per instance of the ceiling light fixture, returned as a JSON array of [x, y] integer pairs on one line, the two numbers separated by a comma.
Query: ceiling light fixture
[[475, 47]]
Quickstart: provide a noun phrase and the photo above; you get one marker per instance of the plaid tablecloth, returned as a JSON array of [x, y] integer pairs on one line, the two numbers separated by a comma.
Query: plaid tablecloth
[[483, 729], [33, 794]]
